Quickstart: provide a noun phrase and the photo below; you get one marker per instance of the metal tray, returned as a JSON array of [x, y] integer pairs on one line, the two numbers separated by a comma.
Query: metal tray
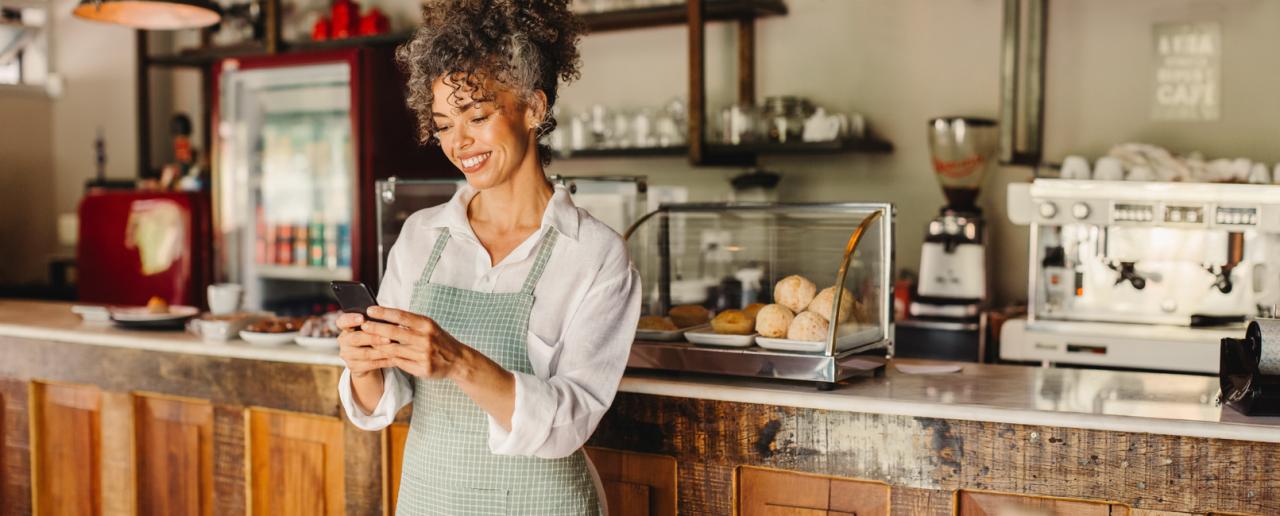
[[758, 362]]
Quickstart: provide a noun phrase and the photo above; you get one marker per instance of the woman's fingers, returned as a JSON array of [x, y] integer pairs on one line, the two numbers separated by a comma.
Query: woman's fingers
[[391, 331], [417, 322], [350, 321]]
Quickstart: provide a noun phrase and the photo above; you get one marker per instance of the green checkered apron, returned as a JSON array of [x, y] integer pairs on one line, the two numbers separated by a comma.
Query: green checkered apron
[[448, 468]]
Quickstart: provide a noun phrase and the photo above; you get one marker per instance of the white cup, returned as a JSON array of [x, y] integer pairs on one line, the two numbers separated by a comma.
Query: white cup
[[224, 298], [1075, 167], [1108, 169]]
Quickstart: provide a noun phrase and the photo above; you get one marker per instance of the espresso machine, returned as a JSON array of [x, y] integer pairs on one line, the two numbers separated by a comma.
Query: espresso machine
[[1143, 275], [945, 310]]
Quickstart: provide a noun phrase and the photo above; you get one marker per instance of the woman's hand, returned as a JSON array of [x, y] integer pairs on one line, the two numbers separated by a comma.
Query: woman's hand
[[358, 349], [414, 343]]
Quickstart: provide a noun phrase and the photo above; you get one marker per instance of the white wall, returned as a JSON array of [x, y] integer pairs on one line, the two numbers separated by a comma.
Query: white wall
[[46, 144], [899, 62], [26, 186]]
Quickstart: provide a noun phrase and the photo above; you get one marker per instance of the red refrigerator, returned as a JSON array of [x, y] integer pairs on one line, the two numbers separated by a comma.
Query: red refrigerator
[[299, 140], [135, 245]]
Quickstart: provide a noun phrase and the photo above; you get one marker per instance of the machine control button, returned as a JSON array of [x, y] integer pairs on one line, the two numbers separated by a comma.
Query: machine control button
[[1048, 210], [1080, 211]]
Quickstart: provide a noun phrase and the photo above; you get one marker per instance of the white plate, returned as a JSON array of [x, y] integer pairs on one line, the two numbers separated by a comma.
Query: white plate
[[317, 342], [667, 335], [141, 314], [720, 339], [856, 337], [268, 339]]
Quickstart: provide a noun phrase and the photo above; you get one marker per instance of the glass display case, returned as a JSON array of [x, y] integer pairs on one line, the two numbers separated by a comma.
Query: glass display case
[[720, 259], [400, 198], [616, 200]]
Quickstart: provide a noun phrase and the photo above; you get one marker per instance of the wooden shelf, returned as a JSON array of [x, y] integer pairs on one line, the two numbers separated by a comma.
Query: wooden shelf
[[622, 19], [676, 14], [304, 273], [865, 145], [737, 154]]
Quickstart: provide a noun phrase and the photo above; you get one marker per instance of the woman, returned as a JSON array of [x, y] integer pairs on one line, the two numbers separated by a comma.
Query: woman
[[508, 312]]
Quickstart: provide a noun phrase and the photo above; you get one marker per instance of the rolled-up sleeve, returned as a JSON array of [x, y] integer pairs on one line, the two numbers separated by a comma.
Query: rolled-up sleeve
[[555, 416], [396, 393]]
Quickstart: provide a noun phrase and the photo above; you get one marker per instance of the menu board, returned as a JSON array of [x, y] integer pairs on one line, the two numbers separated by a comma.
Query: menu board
[[1188, 59]]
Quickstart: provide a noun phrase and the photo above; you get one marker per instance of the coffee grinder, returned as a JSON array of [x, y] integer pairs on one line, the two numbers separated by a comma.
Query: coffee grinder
[[952, 285]]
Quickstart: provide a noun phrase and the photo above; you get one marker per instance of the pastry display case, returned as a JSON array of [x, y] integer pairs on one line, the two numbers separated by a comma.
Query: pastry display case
[[788, 291]]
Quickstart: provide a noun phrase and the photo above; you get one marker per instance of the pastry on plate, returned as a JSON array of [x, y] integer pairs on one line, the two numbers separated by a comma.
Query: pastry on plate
[[821, 304], [656, 323], [794, 292], [732, 322], [689, 315], [157, 305], [753, 309], [808, 326], [773, 320]]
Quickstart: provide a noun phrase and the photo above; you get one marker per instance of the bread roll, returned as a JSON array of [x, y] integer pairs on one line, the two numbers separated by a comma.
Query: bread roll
[[794, 292], [808, 326], [753, 309], [654, 322], [773, 320], [821, 304], [157, 305], [732, 322], [689, 315]]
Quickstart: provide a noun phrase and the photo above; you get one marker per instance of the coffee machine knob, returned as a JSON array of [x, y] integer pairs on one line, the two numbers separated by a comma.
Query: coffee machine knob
[[1080, 211], [1048, 210]]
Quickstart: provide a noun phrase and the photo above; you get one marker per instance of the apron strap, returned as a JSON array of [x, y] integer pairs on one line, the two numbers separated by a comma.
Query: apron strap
[[540, 263], [435, 255]]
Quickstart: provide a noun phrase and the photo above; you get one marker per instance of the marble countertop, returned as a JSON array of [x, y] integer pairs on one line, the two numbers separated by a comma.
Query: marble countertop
[[1119, 401], [54, 321]]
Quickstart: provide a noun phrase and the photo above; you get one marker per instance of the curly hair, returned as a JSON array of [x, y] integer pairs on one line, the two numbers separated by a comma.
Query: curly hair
[[524, 45]]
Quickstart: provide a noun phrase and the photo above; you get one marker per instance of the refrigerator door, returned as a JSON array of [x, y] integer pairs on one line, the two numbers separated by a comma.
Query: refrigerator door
[[133, 246], [286, 183]]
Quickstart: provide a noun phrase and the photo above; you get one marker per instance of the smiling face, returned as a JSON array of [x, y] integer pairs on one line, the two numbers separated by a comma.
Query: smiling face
[[489, 140]]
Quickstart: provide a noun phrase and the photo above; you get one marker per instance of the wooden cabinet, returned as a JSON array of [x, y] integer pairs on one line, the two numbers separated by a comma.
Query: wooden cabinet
[[174, 454], [636, 484], [65, 449], [770, 492], [980, 503], [393, 460], [295, 464]]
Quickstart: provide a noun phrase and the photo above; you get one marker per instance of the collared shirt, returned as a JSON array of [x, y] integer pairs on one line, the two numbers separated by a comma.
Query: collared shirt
[[585, 310]]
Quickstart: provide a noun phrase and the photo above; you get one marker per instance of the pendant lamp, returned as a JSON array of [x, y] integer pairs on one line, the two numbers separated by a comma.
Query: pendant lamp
[[151, 14]]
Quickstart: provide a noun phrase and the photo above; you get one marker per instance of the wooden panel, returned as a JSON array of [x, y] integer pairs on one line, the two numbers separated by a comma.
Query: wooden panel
[[119, 486], [296, 464], [229, 449], [971, 503], [396, 435], [767, 492], [174, 455], [931, 456], [15, 476], [65, 449], [636, 483], [859, 497]]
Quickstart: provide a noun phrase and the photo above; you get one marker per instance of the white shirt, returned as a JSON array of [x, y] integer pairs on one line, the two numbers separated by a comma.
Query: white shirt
[[585, 309]]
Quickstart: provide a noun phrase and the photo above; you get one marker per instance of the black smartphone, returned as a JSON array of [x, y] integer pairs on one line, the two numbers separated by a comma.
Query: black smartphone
[[353, 296]]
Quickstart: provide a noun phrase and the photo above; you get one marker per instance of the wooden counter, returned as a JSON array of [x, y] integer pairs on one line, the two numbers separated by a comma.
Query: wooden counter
[[94, 418]]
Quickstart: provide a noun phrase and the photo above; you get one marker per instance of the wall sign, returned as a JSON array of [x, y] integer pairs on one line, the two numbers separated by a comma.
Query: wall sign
[[1188, 59]]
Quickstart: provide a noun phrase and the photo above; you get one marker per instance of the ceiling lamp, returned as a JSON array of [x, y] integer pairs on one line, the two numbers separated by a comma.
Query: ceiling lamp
[[151, 14]]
